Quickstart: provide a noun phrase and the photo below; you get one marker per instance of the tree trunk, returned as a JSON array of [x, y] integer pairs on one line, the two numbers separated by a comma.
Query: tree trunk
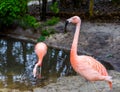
[[91, 6], [43, 14], [53, 1], [63, 3], [76, 3]]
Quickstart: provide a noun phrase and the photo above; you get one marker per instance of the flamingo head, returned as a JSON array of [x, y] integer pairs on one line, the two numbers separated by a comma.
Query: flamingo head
[[35, 70], [74, 20]]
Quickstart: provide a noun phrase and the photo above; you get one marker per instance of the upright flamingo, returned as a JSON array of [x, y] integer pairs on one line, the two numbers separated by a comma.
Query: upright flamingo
[[86, 66], [40, 50]]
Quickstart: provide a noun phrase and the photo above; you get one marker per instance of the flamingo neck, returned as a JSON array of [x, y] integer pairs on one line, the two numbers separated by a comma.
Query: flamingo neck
[[75, 40], [40, 58], [39, 63]]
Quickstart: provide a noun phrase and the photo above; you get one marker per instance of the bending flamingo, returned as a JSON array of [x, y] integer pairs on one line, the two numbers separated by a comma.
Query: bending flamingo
[[86, 66], [40, 50]]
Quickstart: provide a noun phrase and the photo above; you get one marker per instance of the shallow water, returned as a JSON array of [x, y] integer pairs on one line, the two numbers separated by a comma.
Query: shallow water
[[17, 59]]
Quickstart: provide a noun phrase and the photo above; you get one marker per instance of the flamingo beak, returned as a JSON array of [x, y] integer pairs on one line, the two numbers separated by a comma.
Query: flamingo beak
[[36, 72], [66, 23]]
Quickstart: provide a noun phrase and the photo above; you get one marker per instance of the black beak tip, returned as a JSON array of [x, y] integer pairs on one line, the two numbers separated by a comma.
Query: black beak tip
[[66, 23], [35, 77]]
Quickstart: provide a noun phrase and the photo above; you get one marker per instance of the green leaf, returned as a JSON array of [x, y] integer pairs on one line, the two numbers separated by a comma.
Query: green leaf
[[41, 39]]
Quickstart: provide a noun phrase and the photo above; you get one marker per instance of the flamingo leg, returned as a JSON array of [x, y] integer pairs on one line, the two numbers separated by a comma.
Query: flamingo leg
[[40, 70]]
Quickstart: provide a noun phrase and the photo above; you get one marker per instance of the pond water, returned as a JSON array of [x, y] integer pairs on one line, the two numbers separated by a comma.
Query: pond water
[[17, 59]]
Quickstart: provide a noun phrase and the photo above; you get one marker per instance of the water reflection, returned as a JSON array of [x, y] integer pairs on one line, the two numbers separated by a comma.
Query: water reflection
[[17, 59]]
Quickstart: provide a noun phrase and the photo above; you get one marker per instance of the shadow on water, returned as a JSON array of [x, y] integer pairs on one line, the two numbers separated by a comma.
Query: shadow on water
[[17, 59]]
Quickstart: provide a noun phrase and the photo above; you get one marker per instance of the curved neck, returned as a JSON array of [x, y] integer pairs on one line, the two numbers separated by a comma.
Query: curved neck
[[40, 58], [75, 39]]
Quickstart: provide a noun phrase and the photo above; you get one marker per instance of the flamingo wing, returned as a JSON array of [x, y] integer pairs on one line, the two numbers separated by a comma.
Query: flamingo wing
[[96, 65]]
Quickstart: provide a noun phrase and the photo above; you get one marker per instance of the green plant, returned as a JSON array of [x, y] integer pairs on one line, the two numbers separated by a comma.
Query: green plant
[[47, 32], [11, 10], [41, 39], [51, 31], [52, 21], [54, 7], [28, 21]]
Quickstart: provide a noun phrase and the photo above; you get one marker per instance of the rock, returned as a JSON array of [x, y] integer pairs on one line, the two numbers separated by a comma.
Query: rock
[[79, 84]]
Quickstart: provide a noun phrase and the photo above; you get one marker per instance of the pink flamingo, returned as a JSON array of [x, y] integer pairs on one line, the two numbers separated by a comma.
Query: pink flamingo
[[40, 50], [86, 66]]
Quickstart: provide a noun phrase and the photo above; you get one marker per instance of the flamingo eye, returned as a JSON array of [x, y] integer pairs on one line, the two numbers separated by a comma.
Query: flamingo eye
[[74, 18]]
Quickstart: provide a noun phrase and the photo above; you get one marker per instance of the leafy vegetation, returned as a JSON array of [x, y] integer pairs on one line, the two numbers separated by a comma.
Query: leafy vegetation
[[28, 21], [12, 11], [54, 7], [47, 32], [52, 21], [41, 39]]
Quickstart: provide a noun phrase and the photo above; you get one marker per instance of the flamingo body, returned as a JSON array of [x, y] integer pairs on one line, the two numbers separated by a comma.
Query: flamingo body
[[40, 50], [86, 66]]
